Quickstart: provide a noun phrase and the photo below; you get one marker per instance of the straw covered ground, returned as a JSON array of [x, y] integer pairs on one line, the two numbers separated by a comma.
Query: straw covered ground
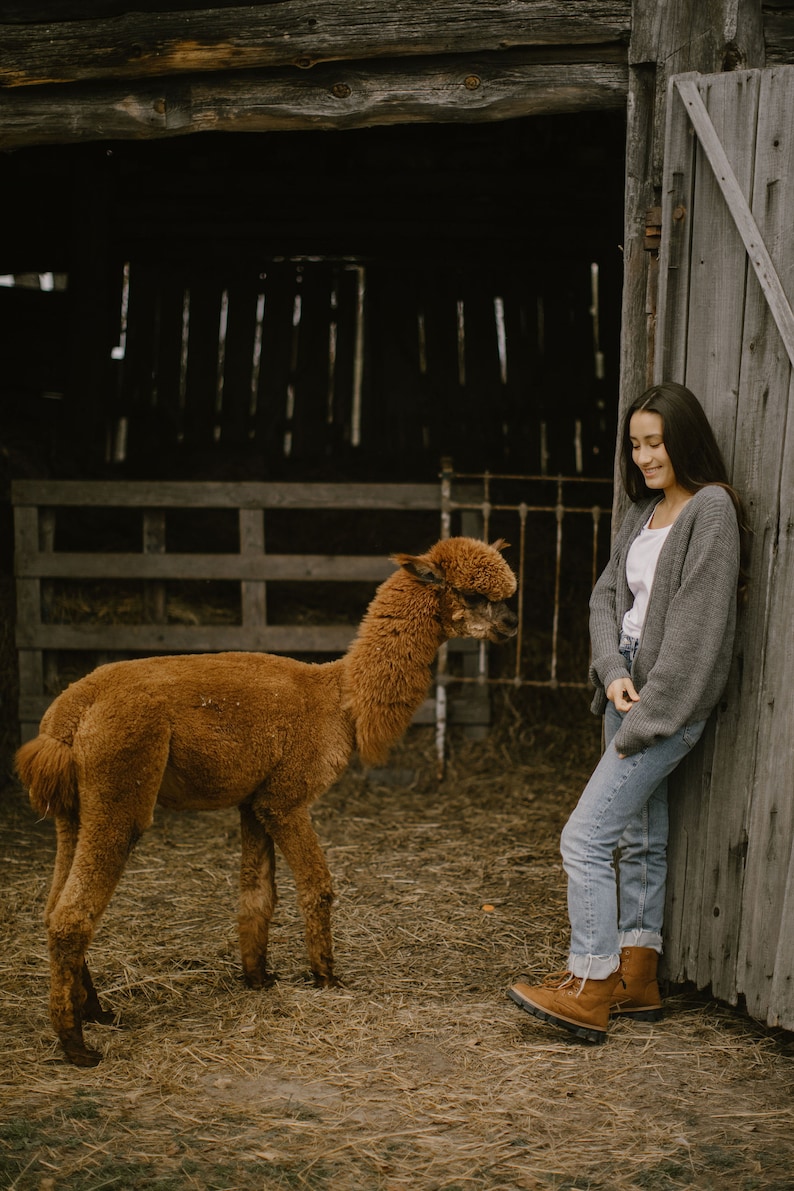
[[417, 1073]]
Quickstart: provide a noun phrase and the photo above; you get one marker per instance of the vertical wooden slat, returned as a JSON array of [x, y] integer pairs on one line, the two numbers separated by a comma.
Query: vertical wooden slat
[[718, 257], [309, 430], [730, 919], [675, 253], [154, 601], [710, 342], [276, 362], [253, 594], [201, 417], [28, 612], [139, 381], [717, 301], [345, 282], [47, 544], [763, 469], [167, 345], [235, 420]]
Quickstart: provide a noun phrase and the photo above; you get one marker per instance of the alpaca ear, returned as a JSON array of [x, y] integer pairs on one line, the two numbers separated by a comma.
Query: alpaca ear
[[419, 568], [499, 544]]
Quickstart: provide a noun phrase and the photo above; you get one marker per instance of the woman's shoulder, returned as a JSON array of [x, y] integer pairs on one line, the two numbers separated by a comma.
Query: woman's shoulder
[[710, 514], [713, 498]]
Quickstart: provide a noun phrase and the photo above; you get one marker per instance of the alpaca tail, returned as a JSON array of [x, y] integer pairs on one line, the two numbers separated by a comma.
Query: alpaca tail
[[46, 768]]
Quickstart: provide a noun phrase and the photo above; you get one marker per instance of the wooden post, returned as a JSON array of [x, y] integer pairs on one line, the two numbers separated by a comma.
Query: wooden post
[[667, 37]]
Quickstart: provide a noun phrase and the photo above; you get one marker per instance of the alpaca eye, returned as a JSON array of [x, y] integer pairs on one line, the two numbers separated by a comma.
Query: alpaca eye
[[473, 599]]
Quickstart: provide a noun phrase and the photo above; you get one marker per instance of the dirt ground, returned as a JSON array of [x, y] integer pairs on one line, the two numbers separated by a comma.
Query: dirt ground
[[417, 1073]]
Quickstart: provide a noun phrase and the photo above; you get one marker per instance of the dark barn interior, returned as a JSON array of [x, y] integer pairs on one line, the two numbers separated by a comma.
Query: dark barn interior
[[313, 306]]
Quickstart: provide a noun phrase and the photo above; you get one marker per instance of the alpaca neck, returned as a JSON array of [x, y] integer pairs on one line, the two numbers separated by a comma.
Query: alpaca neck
[[387, 669]]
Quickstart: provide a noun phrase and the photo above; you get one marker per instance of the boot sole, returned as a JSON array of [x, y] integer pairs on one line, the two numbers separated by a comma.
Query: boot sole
[[588, 1033], [638, 1014]]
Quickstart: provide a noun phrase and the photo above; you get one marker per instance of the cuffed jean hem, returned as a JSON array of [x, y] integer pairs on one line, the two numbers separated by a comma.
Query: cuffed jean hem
[[593, 967], [641, 938]]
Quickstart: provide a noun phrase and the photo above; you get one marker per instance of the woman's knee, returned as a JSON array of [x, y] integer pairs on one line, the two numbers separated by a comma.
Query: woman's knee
[[574, 841]]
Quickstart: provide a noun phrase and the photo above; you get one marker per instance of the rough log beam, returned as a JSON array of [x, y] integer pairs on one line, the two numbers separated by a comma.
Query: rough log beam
[[338, 96], [779, 35], [296, 33]]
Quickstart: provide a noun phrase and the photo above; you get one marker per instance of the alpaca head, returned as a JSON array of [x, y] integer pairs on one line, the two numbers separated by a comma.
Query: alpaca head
[[473, 581]]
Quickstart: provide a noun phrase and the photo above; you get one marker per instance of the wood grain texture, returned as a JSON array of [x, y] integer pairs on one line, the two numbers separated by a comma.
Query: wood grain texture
[[138, 45]]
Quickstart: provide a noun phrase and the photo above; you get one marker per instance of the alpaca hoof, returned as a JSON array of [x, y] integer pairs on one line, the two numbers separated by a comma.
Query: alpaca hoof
[[260, 980], [85, 1057], [78, 1053], [325, 981]]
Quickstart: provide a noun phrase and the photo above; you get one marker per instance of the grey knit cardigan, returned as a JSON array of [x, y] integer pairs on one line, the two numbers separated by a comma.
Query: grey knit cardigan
[[682, 664]]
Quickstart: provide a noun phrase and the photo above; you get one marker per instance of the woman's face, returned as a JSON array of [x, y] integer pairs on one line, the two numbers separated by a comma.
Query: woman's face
[[646, 433]]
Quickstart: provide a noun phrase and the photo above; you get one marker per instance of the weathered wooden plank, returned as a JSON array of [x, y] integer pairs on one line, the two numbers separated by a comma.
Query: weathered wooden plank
[[710, 35], [235, 420], [766, 969], [189, 638], [202, 379], [154, 544], [252, 567], [733, 193], [675, 252], [720, 368], [763, 468], [253, 595], [718, 257], [666, 39], [215, 494], [476, 88], [778, 34], [729, 904], [295, 33], [712, 332]]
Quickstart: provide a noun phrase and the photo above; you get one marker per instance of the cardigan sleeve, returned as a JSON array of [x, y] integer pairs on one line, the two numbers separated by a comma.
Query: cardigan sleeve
[[691, 659], [607, 662]]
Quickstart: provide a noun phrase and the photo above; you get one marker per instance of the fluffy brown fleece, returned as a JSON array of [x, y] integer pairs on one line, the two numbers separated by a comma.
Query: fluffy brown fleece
[[264, 733]]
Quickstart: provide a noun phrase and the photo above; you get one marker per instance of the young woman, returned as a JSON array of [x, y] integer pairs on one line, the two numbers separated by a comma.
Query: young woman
[[662, 621]]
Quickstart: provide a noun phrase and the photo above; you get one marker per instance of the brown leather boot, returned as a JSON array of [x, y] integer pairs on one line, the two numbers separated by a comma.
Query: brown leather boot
[[638, 996], [565, 1000]]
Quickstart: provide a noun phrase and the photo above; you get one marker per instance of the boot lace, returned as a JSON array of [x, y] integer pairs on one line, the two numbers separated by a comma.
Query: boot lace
[[558, 979]]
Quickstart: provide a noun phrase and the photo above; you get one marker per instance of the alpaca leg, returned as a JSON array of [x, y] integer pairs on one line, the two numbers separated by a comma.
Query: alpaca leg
[[98, 863], [66, 831], [92, 1006], [257, 897], [301, 849]]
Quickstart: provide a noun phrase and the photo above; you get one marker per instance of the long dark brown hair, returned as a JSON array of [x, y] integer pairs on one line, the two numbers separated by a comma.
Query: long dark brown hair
[[691, 446]]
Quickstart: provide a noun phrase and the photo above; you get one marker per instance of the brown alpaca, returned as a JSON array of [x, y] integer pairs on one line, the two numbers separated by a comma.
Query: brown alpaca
[[264, 733]]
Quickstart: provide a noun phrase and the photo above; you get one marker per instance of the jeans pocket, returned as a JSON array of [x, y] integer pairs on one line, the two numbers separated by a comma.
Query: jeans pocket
[[692, 733]]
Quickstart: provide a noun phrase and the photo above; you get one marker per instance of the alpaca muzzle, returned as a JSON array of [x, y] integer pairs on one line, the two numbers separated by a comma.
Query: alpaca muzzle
[[505, 624]]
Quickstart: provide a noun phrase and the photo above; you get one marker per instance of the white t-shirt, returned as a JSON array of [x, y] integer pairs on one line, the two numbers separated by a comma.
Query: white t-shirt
[[641, 563]]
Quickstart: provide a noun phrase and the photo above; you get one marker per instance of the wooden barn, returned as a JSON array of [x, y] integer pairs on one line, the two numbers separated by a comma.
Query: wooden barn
[[305, 281]]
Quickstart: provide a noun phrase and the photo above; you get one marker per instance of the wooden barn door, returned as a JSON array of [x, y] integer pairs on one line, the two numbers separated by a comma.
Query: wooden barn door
[[726, 330]]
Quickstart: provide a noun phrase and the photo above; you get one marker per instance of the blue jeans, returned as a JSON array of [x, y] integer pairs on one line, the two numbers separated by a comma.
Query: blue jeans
[[624, 805]]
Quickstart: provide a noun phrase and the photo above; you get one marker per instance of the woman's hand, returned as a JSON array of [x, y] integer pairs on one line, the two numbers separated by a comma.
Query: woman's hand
[[621, 692]]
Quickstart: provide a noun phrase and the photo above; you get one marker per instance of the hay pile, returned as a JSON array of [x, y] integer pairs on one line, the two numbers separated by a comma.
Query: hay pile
[[418, 1073]]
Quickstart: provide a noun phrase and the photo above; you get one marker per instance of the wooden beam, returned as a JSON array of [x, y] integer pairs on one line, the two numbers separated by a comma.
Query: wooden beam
[[216, 494], [470, 88], [296, 33], [779, 35]]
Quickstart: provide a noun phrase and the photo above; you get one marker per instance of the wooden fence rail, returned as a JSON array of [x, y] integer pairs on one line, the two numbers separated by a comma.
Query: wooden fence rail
[[37, 505], [131, 573]]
